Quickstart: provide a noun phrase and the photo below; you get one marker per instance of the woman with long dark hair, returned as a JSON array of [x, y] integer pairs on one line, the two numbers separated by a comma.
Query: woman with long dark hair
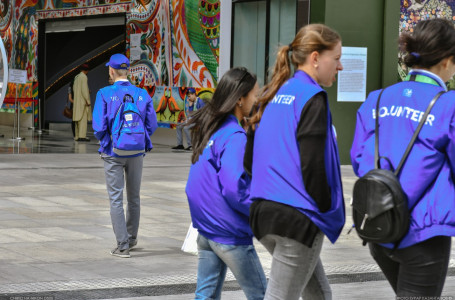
[[418, 266], [218, 189], [296, 184]]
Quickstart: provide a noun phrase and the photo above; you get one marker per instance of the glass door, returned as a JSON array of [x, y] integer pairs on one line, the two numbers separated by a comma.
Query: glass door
[[249, 32], [259, 28]]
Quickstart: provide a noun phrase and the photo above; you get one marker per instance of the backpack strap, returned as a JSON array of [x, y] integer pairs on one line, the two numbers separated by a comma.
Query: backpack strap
[[136, 94], [115, 88], [376, 133], [416, 133]]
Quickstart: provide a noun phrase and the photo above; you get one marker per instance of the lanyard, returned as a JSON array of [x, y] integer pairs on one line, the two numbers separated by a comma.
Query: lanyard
[[425, 77], [237, 120], [422, 78]]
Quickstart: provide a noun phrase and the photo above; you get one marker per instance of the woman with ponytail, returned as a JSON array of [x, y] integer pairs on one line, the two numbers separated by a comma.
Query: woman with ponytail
[[218, 189], [296, 184], [418, 265]]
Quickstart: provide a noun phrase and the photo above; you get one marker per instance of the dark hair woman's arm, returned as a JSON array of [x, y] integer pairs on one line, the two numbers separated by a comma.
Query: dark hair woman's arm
[[234, 182]]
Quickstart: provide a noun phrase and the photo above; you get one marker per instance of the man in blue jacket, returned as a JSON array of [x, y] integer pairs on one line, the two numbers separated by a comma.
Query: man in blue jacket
[[119, 169]]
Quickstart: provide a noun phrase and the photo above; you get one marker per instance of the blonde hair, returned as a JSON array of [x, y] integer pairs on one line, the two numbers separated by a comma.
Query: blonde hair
[[310, 38]]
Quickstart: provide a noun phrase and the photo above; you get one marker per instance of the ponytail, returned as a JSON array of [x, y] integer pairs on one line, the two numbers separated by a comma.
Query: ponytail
[[310, 38], [281, 73]]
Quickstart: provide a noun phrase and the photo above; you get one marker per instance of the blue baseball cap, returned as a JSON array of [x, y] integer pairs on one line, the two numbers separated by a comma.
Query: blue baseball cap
[[191, 90], [118, 61]]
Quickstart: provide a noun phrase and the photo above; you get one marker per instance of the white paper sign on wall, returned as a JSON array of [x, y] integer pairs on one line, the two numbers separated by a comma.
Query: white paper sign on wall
[[352, 81], [17, 76]]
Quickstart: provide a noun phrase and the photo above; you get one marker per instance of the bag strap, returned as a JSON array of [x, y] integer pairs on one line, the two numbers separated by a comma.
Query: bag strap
[[416, 133], [136, 95], [414, 136], [376, 133]]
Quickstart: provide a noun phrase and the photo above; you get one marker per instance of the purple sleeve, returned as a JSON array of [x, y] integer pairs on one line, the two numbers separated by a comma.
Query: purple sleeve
[[234, 182]]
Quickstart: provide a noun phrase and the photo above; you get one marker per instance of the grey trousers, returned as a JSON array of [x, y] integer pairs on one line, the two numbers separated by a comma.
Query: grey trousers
[[119, 170], [296, 269], [187, 129]]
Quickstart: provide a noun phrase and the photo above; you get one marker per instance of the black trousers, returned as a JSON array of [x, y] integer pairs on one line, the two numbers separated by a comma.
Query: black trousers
[[73, 128], [418, 270]]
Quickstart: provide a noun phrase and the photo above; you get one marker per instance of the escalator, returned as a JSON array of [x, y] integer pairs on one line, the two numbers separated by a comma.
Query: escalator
[[93, 58], [64, 45]]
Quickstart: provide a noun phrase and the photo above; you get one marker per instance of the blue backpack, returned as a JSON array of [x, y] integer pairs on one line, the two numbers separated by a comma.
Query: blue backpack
[[128, 130]]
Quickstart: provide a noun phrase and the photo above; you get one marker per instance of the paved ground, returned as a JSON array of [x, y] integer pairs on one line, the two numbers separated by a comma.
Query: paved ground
[[55, 230]]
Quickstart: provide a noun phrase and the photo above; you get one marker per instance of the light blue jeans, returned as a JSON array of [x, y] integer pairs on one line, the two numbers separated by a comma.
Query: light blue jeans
[[296, 269], [242, 260]]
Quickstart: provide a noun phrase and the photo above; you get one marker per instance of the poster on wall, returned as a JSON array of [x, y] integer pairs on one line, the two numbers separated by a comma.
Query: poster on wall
[[352, 81], [17, 76]]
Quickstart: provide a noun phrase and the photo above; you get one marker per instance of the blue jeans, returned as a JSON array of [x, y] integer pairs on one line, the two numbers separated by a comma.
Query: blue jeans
[[242, 260]]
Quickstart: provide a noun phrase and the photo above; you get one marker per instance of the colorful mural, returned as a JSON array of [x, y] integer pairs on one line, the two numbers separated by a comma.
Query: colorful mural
[[175, 43], [59, 4], [26, 39], [169, 103], [172, 44], [194, 47], [76, 8], [144, 26], [20, 47], [26, 98], [413, 11], [6, 17]]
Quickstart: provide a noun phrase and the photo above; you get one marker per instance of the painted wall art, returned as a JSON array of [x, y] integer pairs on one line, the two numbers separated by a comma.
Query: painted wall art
[[413, 11], [172, 44]]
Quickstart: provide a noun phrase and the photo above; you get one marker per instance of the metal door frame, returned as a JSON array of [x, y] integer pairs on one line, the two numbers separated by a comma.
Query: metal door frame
[[302, 19]]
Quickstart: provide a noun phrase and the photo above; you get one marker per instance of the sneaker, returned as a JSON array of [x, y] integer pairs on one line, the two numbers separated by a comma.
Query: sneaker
[[132, 245], [121, 253], [189, 148], [179, 147]]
